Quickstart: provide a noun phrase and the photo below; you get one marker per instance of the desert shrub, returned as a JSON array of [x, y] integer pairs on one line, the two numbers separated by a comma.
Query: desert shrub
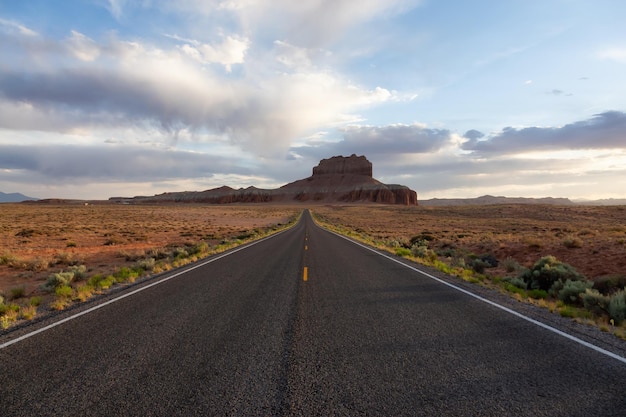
[[64, 291], [547, 271], [38, 264], [146, 264], [84, 292], [1, 299], [611, 283], [28, 312], [403, 252], [511, 265], [127, 274], [617, 306], [58, 279], [573, 242], [596, 302], [35, 301], [180, 253], [157, 254], [64, 258], [478, 265], [571, 291], [394, 243], [17, 292], [71, 245], [80, 271], [516, 282], [199, 249], [538, 294]]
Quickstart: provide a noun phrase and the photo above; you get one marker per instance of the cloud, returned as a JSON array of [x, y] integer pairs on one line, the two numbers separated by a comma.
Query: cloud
[[473, 134], [603, 131], [617, 54], [79, 83], [231, 51], [392, 142], [9, 26], [59, 163]]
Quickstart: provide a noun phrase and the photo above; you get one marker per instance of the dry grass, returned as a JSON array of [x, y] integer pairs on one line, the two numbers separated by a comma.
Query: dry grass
[[38, 240], [591, 239], [523, 233]]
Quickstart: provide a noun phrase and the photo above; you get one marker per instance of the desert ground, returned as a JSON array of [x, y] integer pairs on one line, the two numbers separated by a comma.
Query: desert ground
[[39, 241], [592, 239]]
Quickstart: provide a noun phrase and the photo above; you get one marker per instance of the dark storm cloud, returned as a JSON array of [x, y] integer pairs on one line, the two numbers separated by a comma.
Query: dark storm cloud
[[59, 162], [603, 131], [384, 141]]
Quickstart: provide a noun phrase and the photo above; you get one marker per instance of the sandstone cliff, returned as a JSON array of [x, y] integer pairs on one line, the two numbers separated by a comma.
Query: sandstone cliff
[[337, 179]]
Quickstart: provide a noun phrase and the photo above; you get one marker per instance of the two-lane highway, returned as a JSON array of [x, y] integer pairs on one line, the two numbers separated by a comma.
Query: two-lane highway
[[305, 323]]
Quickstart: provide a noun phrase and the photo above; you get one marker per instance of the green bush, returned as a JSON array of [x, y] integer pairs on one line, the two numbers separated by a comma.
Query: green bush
[[146, 264], [547, 271], [596, 302], [617, 306], [611, 283], [572, 290], [538, 294], [58, 279], [80, 271], [64, 291], [403, 252], [516, 282]]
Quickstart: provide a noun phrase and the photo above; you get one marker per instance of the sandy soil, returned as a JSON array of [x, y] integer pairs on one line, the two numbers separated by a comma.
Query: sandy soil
[[39, 239], [592, 239]]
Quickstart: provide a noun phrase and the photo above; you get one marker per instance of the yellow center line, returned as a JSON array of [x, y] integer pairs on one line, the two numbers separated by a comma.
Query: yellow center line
[[306, 274]]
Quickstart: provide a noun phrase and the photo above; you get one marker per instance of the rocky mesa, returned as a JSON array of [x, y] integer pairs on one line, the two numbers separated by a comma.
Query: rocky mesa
[[337, 179]]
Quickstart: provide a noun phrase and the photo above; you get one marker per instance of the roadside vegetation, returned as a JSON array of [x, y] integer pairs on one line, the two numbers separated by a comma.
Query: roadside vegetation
[[547, 282], [65, 278]]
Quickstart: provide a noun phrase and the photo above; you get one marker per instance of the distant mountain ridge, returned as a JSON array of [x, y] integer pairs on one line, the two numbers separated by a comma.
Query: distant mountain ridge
[[489, 199], [15, 198]]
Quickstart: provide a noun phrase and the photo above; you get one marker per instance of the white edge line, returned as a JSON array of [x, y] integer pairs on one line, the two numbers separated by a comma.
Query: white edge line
[[142, 288], [501, 307]]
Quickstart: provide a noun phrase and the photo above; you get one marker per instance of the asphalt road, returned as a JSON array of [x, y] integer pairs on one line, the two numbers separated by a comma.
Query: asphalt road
[[305, 323]]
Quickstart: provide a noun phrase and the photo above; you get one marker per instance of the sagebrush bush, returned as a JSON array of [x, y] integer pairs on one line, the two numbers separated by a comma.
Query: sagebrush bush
[[547, 271], [617, 306], [596, 302], [516, 282], [611, 283], [146, 264], [58, 279], [573, 242], [572, 290], [80, 271]]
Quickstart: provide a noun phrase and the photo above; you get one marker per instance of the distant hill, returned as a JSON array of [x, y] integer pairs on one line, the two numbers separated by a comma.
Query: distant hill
[[489, 199], [15, 198], [603, 202]]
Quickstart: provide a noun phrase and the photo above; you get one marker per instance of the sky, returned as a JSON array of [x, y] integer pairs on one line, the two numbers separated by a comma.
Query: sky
[[453, 98]]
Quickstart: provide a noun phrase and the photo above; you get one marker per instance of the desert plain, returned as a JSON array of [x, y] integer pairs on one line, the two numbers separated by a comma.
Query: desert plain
[[38, 240]]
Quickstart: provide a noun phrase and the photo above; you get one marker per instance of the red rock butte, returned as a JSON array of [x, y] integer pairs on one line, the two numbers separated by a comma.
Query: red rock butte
[[335, 180]]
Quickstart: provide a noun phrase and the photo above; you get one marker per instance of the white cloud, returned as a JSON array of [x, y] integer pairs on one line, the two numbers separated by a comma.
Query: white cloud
[[84, 85], [231, 51], [83, 47], [10, 26], [617, 54]]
